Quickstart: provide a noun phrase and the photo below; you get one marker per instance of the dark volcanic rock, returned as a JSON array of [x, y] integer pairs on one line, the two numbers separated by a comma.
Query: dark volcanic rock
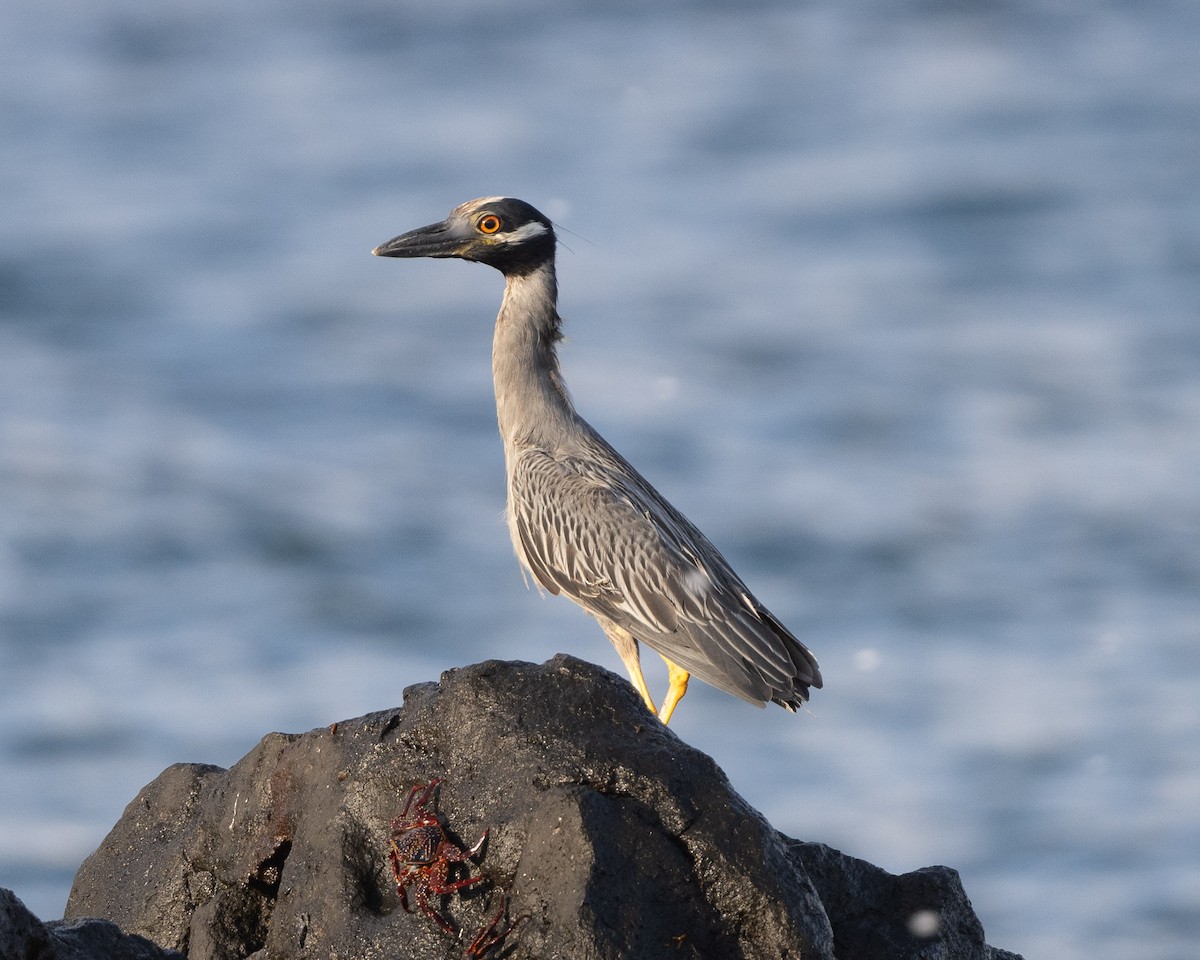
[[24, 937], [610, 835], [874, 913]]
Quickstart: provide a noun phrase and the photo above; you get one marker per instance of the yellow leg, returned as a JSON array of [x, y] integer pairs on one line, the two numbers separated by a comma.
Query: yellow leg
[[678, 687], [627, 649]]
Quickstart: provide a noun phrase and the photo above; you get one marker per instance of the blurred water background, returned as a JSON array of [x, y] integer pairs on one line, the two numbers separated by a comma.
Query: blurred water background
[[898, 301]]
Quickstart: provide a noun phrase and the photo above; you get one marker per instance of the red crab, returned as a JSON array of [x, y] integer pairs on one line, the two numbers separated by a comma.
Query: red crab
[[421, 854]]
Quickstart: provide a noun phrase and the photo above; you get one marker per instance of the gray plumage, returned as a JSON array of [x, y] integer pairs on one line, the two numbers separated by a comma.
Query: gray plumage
[[583, 521]]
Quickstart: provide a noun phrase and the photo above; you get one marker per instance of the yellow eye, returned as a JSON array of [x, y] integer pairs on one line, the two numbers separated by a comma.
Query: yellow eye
[[489, 224]]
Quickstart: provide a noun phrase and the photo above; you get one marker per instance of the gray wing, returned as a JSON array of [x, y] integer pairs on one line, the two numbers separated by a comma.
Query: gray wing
[[598, 533]]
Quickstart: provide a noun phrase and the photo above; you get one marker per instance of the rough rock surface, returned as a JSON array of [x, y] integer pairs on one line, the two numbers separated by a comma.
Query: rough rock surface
[[24, 937], [609, 834]]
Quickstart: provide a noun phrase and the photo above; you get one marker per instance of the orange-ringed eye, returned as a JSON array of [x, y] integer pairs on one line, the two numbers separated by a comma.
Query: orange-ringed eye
[[489, 224]]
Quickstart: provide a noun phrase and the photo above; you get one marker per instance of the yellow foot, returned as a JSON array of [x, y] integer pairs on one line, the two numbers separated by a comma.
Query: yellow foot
[[678, 687]]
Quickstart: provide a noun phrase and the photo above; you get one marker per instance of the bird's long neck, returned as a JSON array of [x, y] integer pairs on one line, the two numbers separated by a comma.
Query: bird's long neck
[[532, 404]]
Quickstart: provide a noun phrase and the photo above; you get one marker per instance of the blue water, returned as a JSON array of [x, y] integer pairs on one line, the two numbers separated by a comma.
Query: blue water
[[899, 302]]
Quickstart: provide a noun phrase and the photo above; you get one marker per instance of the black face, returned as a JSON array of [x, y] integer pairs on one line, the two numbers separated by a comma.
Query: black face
[[504, 233]]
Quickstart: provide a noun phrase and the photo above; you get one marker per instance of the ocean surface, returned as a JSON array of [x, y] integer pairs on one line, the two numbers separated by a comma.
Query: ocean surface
[[900, 302]]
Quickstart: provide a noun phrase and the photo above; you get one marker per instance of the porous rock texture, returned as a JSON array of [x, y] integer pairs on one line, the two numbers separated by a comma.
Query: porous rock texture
[[610, 837], [24, 937]]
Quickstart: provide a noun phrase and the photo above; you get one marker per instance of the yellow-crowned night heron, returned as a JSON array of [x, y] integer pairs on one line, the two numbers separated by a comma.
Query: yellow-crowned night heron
[[583, 521]]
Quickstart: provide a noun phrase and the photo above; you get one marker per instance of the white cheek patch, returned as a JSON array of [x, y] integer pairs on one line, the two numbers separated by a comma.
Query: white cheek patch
[[532, 229]]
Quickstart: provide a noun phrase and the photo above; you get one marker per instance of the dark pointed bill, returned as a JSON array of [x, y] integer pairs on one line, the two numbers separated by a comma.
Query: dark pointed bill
[[435, 240]]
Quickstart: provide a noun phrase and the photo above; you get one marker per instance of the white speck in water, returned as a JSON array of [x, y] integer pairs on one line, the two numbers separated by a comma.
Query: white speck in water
[[1098, 763], [1110, 641], [666, 388], [867, 660]]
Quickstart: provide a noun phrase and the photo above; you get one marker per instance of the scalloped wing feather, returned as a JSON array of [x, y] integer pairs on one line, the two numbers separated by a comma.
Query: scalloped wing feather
[[606, 539]]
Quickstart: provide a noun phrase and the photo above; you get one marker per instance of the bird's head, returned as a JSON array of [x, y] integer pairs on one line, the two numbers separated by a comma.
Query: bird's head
[[504, 233]]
